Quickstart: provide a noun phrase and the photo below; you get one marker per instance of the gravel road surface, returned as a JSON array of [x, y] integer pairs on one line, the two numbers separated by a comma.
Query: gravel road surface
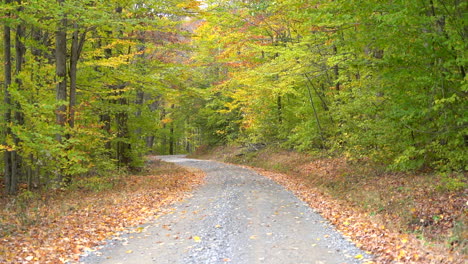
[[236, 216]]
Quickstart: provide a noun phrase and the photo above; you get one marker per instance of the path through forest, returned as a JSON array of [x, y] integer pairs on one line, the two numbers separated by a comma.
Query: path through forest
[[236, 216]]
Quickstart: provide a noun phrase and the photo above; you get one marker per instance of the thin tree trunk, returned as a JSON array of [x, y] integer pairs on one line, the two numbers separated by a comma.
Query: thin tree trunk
[[123, 148], [171, 135], [76, 48], [319, 94], [150, 142], [61, 70], [140, 94], [316, 116], [104, 116], [7, 100], [20, 50], [171, 140], [336, 69], [279, 105], [140, 99]]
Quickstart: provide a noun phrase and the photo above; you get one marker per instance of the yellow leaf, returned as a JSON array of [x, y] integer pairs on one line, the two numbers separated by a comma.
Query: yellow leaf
[[197, 239], [166, 121], [129, 251], [359, 256], [253, 237], [402, 254]]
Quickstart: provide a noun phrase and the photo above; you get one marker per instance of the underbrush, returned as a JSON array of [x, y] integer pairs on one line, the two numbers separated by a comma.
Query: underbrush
[[57, 225], [430, 206]]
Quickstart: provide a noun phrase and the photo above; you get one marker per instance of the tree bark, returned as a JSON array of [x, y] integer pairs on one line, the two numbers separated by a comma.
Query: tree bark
[[76, 48], [61, 70], [171, 140], [123, 148], [336, 69], [20, 51], [150, 142], [171, 135], [316, 116], [7, 100]]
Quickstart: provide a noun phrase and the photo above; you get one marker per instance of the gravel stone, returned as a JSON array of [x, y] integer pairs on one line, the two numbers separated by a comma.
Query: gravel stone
[[236, 216]]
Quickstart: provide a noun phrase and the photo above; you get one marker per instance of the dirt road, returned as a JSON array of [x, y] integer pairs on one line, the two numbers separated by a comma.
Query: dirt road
[[236, 216]]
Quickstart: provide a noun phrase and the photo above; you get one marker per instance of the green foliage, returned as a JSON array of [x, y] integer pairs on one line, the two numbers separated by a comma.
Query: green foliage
[[126, 72], [362, 78], [452, 183]]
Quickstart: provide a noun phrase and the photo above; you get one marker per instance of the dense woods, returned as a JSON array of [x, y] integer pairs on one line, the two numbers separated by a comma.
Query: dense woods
[[366, 79], [83, 85], [91, 86]]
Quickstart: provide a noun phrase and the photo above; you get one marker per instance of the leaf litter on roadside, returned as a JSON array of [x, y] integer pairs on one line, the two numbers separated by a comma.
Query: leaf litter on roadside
[[59, 236], [388, 246]]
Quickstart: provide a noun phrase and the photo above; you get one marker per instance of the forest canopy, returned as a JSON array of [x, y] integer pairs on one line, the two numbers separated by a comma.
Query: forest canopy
[[91, 86]]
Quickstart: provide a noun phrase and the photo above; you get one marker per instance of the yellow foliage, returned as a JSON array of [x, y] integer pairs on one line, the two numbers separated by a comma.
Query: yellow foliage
[[166, 120]]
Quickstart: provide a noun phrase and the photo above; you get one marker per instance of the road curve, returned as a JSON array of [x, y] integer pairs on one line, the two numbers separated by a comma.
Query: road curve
[[236, 216]]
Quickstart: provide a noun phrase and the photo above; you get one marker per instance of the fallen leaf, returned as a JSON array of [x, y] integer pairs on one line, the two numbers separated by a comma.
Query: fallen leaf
[[197, 239]]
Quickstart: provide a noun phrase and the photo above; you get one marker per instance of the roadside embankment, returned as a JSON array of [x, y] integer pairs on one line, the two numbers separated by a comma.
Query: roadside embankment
[[416, 217]]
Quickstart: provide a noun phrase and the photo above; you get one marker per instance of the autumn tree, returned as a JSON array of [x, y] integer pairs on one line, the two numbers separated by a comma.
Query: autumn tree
[[364, 79], [73, 101]]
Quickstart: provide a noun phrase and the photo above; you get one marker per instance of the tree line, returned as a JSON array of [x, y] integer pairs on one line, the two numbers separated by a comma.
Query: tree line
[[83, 86], [375, 80], [91, 86]]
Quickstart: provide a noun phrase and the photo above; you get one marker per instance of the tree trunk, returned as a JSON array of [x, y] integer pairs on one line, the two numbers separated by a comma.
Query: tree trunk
[[140, 99], [106, 119], [336, 69], [319, 127], [279, 105], [171, 139], [20, 50], [150, 143], [123, 148], [9, 188], [61, 70], [171, 135], [76, 48]]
